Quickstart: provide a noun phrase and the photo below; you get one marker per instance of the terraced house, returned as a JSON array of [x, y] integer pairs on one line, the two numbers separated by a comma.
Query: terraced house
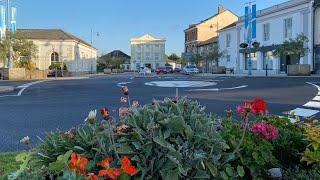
[[274, 25], [56, 45]]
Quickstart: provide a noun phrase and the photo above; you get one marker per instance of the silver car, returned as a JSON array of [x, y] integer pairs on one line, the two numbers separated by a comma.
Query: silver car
[[190, 70]]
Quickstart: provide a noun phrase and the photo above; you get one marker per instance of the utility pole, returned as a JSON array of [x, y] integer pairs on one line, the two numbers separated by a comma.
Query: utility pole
[[249, 31]]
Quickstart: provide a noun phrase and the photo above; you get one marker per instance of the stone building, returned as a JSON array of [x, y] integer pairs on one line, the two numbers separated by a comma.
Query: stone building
[[56, 45], [147, 51]]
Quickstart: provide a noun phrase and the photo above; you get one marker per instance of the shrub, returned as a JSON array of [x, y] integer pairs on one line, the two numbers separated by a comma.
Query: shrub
[[254, 154], [172, 139]]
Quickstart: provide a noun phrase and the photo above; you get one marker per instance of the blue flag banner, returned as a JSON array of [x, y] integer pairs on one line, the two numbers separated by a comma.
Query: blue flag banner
[[13, 19], [254, 21], [246, 18], [2, 21]]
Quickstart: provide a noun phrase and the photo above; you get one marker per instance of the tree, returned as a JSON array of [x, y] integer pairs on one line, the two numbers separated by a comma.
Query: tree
[[197, 59], [23, 50], [293, 47], [214, 55], [112, 62], [174, 57]]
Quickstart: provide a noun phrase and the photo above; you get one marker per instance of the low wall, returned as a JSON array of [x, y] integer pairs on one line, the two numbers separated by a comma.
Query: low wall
[[36, 74], [299, 70], [13, 73]]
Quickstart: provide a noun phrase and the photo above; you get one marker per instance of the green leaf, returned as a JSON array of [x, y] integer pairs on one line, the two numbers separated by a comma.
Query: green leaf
[[201, 175], [229, 171], [213, 169], [58, 166], [240, 171]]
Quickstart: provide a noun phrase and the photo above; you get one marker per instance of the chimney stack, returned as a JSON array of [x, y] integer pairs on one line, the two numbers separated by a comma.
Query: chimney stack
[[221, 9]]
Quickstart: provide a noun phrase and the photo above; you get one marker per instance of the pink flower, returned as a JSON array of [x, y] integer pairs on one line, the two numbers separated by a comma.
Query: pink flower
[[123, 111], [266, 131], [240, 109]]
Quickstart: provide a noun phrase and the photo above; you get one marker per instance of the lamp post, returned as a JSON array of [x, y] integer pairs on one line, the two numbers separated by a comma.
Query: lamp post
[[91, 41]]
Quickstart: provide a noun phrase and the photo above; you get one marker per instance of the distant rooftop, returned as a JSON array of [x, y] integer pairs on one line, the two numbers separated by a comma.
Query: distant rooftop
[[50, 34]]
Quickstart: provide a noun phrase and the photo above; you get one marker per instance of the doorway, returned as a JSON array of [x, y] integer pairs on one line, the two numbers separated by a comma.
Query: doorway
[[288, 60]]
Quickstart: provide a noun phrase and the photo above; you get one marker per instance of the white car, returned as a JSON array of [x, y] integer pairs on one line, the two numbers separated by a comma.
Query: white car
[[190, 70], [144, 71]]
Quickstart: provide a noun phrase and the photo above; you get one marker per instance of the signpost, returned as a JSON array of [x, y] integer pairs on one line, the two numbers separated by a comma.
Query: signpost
[[250, 29]]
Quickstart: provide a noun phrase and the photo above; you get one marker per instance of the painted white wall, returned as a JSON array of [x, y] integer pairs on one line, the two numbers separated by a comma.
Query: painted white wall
[[77, 56], [231, 51], [301, 13], [317, 26]]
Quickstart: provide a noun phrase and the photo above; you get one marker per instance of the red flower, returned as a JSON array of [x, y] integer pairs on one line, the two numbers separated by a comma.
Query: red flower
[[258, 106], [105, 113], [78, 163], [105, 162], [127, 167], [266, 131], [91, 176]]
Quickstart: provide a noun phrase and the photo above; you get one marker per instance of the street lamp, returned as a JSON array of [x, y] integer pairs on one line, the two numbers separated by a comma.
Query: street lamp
[[97, 34]]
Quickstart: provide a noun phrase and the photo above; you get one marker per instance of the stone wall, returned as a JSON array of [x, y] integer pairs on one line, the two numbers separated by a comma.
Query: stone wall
[[22, 74]]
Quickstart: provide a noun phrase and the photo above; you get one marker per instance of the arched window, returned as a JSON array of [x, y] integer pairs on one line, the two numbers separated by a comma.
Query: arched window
[[54, 57]]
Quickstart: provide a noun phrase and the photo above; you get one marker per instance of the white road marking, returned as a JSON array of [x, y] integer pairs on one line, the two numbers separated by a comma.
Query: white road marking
[[120, 84], [313, 104], [23, 87], [180, 84], [219, 89], [317, 98], [302, 112]]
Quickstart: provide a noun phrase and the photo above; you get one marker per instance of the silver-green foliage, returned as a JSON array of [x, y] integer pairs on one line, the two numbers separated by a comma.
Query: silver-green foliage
[[173, 140]]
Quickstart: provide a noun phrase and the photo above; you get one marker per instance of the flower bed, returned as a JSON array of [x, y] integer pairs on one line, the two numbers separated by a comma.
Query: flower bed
[[177, 139]]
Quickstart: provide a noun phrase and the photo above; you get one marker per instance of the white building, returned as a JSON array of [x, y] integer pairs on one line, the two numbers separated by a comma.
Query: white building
[[56, 45], [274, 25], [147, 51], [317, 35]]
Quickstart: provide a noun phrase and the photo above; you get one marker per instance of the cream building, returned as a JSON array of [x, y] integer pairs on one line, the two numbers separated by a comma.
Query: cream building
[[147, 51], [56, 45], [199, 36]]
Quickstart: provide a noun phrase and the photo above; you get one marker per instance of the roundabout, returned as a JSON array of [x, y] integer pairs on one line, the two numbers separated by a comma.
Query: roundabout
[[180, 84]]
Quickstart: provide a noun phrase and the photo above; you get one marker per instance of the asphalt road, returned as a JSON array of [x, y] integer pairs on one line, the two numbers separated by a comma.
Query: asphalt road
[[52, 105]]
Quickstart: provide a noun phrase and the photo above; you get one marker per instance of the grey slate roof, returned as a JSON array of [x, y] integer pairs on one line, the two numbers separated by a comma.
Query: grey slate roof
[[49, 34]]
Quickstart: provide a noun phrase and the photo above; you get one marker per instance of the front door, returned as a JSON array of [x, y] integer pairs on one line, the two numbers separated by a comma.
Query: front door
[[317, 59], [284, 62]]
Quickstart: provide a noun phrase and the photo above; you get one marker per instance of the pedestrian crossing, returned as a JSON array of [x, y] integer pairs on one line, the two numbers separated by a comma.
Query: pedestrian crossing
[[311, 108]]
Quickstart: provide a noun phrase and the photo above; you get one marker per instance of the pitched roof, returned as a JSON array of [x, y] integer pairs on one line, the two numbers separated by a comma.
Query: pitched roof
[[209, 41], [50, 34], [118, 53], [229, 26], [146, 37]]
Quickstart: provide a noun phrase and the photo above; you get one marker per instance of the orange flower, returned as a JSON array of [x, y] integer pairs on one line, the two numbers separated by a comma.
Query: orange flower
[[92, 176], [125, 90], [105, 163], [78, 163], [108, 172], [105, 113], [127, 167], [111, 173]]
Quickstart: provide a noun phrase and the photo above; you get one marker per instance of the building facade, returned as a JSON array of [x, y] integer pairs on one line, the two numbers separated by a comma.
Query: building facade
[[55, 45], [147, 51], [274, 25], [199, 37], [317, 35]]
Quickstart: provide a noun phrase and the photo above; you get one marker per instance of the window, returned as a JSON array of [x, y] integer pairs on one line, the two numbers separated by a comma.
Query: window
[[147, 56], [228, 58], [138, 56], [253, 61], [156, 56], [268, 60], [54, 57], [137, 65], [288, 28], [228, 40], [266, 32]]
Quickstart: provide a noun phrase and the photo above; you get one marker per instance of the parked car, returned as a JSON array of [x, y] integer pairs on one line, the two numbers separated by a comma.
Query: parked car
[[190, 70], [161, 70], [169, 69], [177, 70], [144, 71]]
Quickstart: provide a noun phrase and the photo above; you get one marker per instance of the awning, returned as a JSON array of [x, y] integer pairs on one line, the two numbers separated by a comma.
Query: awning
[[262, 49]]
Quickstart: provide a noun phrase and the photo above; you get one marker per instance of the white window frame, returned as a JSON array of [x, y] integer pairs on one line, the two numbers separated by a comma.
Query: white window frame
[[266, 32], [288, 28], [228, 40]]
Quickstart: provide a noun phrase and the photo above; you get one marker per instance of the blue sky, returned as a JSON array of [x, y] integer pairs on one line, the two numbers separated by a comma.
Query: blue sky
[[119, 20]]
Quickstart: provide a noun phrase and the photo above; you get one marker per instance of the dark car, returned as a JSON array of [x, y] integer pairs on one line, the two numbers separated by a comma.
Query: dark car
[[161, 70], [177, 70], [169, 69]]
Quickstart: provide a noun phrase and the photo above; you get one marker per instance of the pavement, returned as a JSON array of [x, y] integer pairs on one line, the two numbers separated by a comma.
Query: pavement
[[6, 89], [36, 107]]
